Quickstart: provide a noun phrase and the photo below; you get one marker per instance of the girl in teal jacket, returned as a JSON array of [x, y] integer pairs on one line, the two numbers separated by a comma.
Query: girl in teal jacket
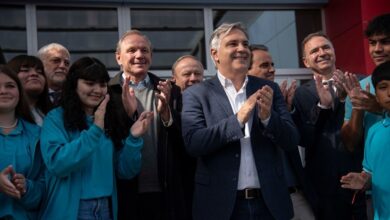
[[85, 144], [21, 167]]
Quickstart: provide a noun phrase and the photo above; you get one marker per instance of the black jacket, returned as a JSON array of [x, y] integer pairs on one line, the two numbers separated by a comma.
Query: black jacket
[[170, 162], [326, 157]]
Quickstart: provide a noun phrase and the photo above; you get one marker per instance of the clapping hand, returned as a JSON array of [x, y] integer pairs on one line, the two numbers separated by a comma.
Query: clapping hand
[[6, 184], [357, 181], [340, 81], [360, 99], [369, 102], [100, 112], [288, 93], [263, 99], [246, 109], [128, 98], [142, 124], [264, 102], [20, 182], [323, 92], [162, 99]]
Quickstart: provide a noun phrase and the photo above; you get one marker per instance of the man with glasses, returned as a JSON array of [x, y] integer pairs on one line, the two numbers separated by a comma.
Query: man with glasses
[[56, 61]]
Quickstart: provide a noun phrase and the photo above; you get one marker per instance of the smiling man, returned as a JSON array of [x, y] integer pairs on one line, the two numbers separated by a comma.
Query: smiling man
[[156, 193], [187, 71], [235, 125], [319, 112], [262, 64]]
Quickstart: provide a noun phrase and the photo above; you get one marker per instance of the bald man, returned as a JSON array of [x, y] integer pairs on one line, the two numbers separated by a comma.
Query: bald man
[[186, 71]]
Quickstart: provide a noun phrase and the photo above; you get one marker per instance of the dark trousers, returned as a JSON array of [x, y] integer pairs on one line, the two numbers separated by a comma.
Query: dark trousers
[[138, 206], [251, 209], [149, 206], [340, 207]]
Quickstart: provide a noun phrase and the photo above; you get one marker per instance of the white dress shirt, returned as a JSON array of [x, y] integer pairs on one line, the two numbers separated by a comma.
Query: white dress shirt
[[247, 177]]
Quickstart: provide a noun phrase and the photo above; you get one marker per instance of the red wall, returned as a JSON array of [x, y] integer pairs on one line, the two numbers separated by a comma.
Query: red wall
[[345, 22]]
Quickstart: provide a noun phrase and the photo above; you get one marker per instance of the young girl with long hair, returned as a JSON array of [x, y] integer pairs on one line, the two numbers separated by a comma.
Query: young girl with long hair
[[85, 144], [32, 76], [21, 168]]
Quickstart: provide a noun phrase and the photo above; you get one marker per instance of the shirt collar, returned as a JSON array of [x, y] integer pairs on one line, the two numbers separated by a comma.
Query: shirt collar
[[227, 83], [53, 91], [386, 119], [141, 84], [18, 129], [325, 81]]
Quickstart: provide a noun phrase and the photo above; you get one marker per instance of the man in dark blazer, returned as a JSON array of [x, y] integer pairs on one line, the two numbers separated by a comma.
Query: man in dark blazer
[[235, 125], [319, 114], [157, 193], [302, 194]]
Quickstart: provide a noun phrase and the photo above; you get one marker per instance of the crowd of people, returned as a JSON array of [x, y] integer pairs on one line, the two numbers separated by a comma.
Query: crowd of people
[[77, 144]]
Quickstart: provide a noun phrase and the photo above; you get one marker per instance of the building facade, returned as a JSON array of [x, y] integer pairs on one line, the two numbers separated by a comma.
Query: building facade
[[175, 28]]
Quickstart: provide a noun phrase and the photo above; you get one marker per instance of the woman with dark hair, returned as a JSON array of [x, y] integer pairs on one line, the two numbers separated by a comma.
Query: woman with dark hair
[[31, 73], [85, 143], [21, 182]]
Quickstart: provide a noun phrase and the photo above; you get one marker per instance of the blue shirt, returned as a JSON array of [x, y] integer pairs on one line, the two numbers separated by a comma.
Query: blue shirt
[[73, 170], [19, 149], [377, 162]]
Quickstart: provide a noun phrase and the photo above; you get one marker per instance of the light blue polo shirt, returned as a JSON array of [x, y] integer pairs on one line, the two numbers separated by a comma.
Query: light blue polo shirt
[[377, 162]]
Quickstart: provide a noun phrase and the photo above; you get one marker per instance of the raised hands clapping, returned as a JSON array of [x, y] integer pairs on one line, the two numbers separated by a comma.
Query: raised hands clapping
[[100, 112], [162, 99], [360, 99], [288, 93], [357, 181], [142, 124], [128, 98], [11, 183], [340, 81], [264, 102], [324, 94]]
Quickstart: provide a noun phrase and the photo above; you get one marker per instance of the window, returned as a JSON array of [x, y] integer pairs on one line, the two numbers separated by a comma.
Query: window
[[94, 31], [84, 31], [13, 37], [275, 29], [173, 33]]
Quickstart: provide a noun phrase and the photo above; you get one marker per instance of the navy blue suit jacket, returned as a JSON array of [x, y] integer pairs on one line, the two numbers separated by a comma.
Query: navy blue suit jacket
[[212, 133], [326, 157]]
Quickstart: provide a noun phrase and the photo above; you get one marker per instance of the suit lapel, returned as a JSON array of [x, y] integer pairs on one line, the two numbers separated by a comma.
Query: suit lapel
[[252, 87], [218, 95], [313, 89]]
